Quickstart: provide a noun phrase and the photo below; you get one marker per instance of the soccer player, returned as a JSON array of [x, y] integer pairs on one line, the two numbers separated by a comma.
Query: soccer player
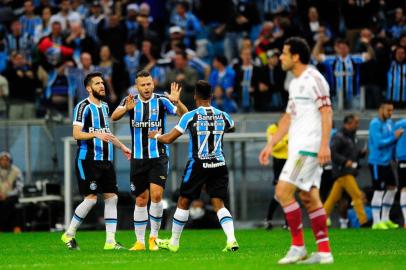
[[381, 144], [308, 119], [94, 169], [401, 159], [206, 165], [149, 162]]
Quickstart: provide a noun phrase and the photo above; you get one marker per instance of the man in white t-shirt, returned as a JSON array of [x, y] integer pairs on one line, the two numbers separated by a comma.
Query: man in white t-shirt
[[308, 119]]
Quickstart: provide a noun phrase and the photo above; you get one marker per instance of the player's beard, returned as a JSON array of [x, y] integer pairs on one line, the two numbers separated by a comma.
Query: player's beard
[[98, 96]]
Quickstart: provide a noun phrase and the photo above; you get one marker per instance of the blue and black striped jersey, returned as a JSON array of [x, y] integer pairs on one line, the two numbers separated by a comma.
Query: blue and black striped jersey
[[396, 82], [345, 74], [148, 116], [206, 127], [93, 118]]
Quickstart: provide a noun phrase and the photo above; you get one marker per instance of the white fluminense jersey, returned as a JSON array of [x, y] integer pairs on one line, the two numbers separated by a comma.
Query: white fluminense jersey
[[307, 94]]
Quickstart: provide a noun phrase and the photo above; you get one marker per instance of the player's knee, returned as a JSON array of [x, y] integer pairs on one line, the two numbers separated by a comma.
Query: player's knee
[[156, 196], [141, 201], [183, 203], [92, 198], [217, 204], [282, 195]]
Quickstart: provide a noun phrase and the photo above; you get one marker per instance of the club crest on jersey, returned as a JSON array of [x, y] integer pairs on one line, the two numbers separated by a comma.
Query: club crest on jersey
[[132, 187], [93, 185]]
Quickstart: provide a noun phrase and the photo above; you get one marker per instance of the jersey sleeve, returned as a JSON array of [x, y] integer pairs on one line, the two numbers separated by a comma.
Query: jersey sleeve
[[184, 122], [320, 91], [229, 121], [79, 114], [169, 107], [122, 103]]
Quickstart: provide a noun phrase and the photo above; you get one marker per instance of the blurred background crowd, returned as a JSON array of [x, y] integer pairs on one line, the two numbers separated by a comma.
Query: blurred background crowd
[[48, 46]]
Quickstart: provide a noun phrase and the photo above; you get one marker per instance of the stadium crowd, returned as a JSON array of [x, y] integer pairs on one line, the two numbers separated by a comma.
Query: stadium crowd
[[48, 46]]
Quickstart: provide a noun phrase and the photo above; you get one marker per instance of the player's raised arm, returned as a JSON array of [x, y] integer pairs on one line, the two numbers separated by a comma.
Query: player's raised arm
[[174, 97], [127, 104]]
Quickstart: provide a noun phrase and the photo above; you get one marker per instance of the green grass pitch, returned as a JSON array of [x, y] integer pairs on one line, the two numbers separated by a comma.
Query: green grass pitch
[[201, 249]]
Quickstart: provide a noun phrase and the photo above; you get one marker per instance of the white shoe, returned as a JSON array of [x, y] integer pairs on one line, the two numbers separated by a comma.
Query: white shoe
[[294, 255], [319, 258]]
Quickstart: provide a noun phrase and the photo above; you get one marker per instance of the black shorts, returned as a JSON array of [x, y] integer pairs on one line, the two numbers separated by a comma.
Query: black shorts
[[382, 176], [147, 171], [402, 174], [95, 176], [211, 173]]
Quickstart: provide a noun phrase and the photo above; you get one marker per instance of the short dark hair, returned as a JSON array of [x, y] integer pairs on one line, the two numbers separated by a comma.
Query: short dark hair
[[222, 59], [299, 46], [203, 90], [348, 118], [342, 41], [142, 73], [182, 53], [385, 102], [90, 76]]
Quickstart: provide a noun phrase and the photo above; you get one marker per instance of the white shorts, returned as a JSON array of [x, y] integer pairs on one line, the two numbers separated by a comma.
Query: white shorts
[[302, 170]]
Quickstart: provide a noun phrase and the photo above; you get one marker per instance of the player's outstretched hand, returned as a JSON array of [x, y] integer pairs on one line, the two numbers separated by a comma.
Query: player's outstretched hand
[[126, 151], [324, 155], [130, 102], [174, 96], [105, 137], [152, 134], [264, 155]]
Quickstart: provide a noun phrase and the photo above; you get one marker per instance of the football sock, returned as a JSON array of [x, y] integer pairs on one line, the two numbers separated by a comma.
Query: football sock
[[110, 218], [376, 205], [403, 204], [293, 216], [80, 213], [387, 203], [140, 222], [226, 221], [179, 220], [155, 217], [319, 226]]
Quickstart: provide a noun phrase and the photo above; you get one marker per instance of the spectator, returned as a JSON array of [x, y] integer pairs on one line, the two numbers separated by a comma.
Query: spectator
[[188, 22], [241, 18], [396, 90], [131, 60], [266, 42], [399, 27], [222, 75], [11, 182], [23, 88], [44, 28], [66, 16], [313, 26], [80, 42], [79, 7], [344, 70], [29, 20], [112, 34], [222, 102], [276, 7], [114, 74], [56, 36], [185, 76], [17, 41], [270, 94], [144, 31], [345, 155], [131, 23], [92, 22], [245, 78]]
